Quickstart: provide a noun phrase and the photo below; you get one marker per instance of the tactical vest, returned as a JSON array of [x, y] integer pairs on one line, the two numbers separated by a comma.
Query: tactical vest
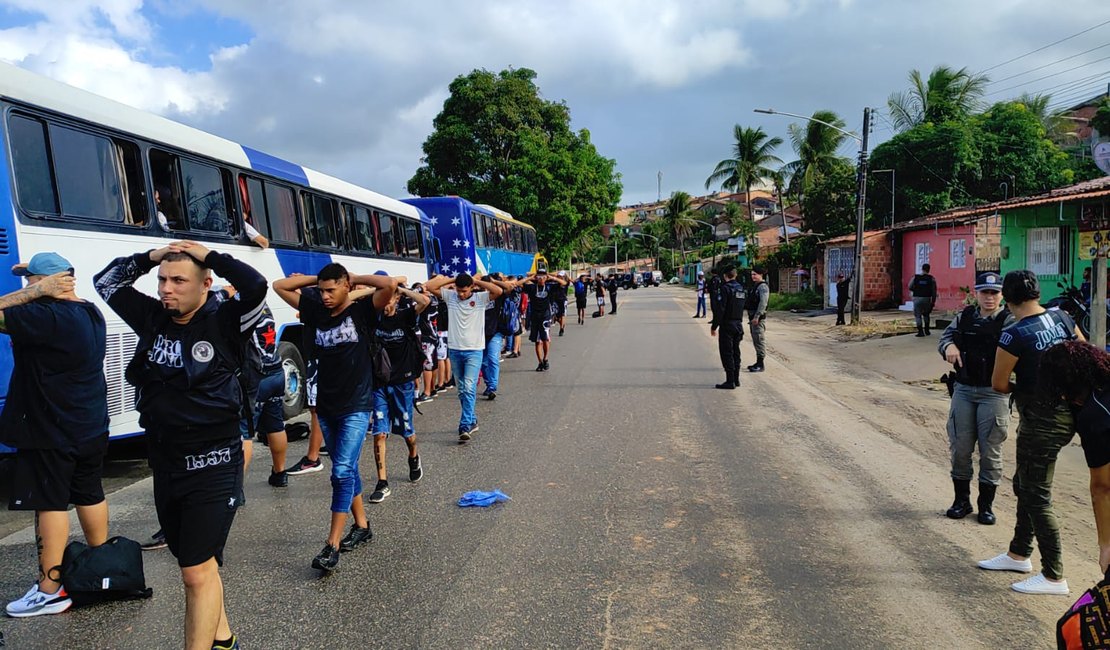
[[733, 299], [977, 340], [923, 286]]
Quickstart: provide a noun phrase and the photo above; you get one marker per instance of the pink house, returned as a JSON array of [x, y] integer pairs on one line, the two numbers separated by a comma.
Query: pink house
[[955, 249]]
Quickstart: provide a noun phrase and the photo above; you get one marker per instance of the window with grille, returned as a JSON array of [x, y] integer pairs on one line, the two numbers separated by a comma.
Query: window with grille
[[1042, 255], [957, 254]]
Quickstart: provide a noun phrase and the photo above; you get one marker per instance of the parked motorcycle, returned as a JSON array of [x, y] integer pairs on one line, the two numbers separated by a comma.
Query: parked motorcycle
[[1072, 302]]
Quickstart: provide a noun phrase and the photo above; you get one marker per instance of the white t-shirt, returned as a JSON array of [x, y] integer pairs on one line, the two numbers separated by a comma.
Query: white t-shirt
[[252, 234], [466, 327]]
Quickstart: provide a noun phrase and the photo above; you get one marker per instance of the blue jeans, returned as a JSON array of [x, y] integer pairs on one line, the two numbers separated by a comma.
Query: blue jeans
[[466, 364], [344, 435], [701, 306], [491, 361]]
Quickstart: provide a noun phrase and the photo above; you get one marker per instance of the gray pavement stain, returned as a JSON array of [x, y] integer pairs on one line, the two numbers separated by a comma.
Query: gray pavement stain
[[649, 510]]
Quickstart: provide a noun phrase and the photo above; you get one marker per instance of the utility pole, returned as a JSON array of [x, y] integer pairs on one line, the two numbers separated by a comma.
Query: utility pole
[[782, 211], [659, 193], [861, 204]]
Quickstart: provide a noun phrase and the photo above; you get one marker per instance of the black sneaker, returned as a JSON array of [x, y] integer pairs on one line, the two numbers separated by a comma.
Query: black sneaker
[[305, 466], [279, 479], [324, 451], [327, 559], [491, 395], [355, 538], [464, 434], [539, 368], [450, 384], [423, 399], [546, 365], [381, 491], [560, 331], [728, 385], [416, 470], [157, 541]]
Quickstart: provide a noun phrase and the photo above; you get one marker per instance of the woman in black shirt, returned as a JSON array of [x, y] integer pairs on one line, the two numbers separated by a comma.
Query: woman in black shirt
[[1044, 427]]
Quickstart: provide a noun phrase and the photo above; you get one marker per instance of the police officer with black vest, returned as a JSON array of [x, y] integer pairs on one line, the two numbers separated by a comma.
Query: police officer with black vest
[[979, 414], [729, 319]]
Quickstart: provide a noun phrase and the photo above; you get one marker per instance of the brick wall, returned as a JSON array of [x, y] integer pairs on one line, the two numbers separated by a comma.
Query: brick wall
[[878, 268]]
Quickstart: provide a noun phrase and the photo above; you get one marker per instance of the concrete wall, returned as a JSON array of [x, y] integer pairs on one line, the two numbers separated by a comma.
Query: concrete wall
[[934, 246]]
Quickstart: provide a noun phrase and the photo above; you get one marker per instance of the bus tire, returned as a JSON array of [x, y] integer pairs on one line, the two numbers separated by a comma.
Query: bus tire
[[293, 366]]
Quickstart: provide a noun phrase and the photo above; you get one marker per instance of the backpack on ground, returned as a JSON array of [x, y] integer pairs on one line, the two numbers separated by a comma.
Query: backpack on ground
[[111, 571], [596, 314], [1086, 624]]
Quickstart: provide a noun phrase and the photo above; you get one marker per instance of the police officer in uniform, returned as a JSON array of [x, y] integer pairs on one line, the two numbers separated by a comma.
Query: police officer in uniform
[[979, 414], [729, 318], [923, 287]]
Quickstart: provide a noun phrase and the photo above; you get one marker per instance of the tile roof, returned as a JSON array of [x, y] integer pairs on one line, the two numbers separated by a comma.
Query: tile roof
[[1085, 190]]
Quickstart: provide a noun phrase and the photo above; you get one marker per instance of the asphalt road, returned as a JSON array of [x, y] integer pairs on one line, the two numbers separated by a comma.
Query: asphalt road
[[648, 510]]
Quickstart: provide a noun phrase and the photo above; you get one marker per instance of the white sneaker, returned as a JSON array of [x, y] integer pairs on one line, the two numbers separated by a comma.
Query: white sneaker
[[1039, 584], [36, 603], [1006, 563]]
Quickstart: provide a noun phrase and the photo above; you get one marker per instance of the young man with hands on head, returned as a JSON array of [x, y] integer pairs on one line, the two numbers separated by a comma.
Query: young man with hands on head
[[342, 330], [466, 336], [190, 402], [541, 291]]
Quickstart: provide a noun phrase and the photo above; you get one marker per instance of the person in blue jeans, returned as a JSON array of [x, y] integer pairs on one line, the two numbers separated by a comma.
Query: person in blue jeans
[[466, 336], [495, 337], [342, 330], [699, 311]]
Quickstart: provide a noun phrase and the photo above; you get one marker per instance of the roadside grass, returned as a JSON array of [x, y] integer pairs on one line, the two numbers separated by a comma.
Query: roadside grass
[[805, 300]]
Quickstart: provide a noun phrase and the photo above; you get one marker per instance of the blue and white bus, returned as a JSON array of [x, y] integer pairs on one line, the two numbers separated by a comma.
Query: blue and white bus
[[478, 238], [79, 174]]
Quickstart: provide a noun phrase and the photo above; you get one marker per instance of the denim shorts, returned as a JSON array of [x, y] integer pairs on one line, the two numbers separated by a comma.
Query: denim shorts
[[392, 411]]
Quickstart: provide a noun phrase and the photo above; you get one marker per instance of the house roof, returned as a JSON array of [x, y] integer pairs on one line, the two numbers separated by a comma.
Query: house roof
[[851, 237], [1085, 190]]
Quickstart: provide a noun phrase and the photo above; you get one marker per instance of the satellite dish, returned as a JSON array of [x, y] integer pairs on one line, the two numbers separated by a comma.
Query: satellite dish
[[1101, 153]]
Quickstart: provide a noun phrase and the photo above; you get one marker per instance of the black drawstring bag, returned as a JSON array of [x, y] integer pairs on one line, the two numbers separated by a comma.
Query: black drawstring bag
[[111, 571]]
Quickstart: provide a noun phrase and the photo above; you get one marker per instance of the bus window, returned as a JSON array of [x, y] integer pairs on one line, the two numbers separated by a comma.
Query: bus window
[[388, 235], [320, 218], [281, 213], [413, 245], [479, 229], [205, 199], [506, 236], [518, 238], [362, 232], [532, 246], [88, 171], [34, 179], [491, 232], [254, 205]]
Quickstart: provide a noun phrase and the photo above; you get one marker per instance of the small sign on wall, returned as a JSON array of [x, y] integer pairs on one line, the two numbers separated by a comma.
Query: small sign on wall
[[1092, 243]]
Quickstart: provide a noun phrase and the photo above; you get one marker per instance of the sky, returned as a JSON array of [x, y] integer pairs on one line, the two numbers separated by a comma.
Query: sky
[[351, 88]]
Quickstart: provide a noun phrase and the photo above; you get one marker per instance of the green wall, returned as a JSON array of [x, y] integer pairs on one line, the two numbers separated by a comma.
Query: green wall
[[1014, 242]]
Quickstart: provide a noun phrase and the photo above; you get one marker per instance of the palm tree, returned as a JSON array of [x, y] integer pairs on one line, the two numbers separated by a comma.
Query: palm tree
[[816, 145], [678, 219], [752, 157], [947, 94], [1057, 128]]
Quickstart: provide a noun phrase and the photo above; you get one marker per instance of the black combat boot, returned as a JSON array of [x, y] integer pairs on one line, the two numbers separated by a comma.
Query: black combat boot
[[757, 366], [920, 331], [927, 332], [986, 501], [961, 507]]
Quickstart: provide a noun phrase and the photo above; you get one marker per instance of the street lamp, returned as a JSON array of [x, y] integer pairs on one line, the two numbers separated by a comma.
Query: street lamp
[[712, 228], [861, 194]]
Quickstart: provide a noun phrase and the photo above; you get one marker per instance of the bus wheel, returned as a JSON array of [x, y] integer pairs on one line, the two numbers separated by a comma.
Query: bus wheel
[[292, 365]]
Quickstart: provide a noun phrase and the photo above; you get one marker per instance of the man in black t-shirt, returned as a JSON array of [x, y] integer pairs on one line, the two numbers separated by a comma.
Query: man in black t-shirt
[[611, 286], [56, 416], [190, 402], [559, 301], [395, 331], [538, 287], [923, 287], [343, 333]]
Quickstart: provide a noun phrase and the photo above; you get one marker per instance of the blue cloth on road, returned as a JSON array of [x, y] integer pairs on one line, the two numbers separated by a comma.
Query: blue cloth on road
[[478, 498]]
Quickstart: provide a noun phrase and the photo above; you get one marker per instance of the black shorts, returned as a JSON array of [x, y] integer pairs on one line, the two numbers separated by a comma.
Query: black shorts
[[48, 480], [560, 309], [197, 506], [580, 302]]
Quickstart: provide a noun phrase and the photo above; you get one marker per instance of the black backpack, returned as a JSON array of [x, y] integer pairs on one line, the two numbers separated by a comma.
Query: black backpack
[[111, 571]]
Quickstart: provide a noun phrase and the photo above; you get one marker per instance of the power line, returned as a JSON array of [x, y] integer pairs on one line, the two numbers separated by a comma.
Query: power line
[[1039, 49], [1055, 74], [1048, 65]]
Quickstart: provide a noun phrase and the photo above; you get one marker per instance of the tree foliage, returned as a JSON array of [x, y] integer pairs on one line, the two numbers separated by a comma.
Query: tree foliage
[[816, 144], [829, 208], [964, 161], [497, 141], [679, 220]]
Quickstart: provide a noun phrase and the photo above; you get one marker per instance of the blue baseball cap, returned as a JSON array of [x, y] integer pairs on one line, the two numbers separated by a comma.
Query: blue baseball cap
[[988, 281], [381, 272], [43, 264]]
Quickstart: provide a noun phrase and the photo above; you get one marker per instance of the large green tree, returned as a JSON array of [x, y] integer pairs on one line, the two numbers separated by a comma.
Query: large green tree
[[816, 144], [679, 219], [753, 159], [946, 94], [829, 207], [966, 161], [497, 141]]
